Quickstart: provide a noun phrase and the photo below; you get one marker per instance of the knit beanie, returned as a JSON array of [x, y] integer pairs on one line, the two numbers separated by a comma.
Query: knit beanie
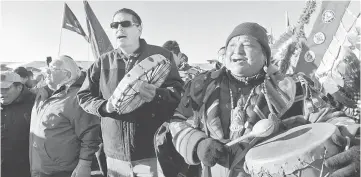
[[255, 30]]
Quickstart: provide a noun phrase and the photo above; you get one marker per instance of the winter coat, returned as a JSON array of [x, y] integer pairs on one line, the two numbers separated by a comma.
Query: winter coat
[[15, 124], [190, 124], [61, 132], [129, 137]]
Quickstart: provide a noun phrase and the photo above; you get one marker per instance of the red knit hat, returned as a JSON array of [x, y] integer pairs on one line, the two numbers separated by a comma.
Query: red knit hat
[[255, 30]]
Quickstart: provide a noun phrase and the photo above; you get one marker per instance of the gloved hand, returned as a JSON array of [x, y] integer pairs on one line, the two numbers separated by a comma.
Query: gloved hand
[[82, 169], [108, 107], [347, 163], [210, 151]]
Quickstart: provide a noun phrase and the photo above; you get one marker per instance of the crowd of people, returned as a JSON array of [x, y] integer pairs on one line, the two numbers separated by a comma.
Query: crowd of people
[[55, 129]]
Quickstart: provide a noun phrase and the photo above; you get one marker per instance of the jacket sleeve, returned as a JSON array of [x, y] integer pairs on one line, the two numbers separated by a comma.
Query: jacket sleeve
[[87, 129], [89, 95], [168, 96], [184, 128]]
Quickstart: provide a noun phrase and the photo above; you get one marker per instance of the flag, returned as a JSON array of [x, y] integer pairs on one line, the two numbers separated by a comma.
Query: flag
[[71, 23], [98, 39], [324, 41], [325, 28]]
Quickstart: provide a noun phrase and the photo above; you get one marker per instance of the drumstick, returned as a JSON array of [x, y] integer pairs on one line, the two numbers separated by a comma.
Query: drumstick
[[243, 153], [263, 128], [237, 140]]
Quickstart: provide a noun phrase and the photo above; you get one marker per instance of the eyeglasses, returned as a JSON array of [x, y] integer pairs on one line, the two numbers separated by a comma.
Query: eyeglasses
[[51, 69], [123, 24]]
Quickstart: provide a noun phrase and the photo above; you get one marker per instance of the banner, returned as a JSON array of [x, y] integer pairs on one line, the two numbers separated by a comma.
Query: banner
[[98, 39], [71, 23]]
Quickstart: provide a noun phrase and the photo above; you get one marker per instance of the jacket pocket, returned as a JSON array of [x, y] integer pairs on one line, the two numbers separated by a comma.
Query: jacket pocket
[[64, 153], [45, 159]]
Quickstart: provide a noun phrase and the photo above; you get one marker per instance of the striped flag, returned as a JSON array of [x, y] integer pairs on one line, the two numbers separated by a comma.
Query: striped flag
[[98, 39], [71, 23]]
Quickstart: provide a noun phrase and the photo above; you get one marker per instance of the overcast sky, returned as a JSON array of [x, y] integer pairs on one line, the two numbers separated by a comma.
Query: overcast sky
[[30, 30]]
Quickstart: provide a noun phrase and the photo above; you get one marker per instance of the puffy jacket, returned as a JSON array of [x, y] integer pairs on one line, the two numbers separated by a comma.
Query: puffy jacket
[[129, 136], [15, 123], [61, 132]]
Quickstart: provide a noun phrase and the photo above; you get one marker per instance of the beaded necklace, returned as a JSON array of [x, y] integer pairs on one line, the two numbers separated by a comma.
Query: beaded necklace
[[238, 112], [247, 79]]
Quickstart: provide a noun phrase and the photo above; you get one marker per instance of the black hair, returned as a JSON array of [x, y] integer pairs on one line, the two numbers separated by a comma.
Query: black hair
[[136, 18], [17, 84], [48, 60], [22, 72], [172, 46]]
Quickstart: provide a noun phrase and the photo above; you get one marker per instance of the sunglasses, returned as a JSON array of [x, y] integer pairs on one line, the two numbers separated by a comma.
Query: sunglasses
[[123, 24]]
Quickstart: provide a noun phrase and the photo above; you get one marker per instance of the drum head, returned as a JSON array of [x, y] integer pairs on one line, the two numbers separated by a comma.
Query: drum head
[[292, 150], [153, 69]]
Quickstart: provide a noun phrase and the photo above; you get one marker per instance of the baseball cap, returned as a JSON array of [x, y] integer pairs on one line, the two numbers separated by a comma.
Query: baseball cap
[[8, 78]]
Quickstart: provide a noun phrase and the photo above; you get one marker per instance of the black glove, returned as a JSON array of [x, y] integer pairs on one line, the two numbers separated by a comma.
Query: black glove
[[210, 151], [347, 163]]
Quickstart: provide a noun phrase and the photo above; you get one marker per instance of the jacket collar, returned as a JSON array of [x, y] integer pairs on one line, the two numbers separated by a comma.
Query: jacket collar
[[76, 84], [142, 44]]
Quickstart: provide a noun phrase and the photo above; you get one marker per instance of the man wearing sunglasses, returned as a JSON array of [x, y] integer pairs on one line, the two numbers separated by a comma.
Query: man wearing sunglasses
[[128, 138]]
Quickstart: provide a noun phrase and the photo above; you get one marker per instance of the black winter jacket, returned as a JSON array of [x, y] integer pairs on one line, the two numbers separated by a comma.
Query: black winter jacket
[[15, 124], [129, 136]]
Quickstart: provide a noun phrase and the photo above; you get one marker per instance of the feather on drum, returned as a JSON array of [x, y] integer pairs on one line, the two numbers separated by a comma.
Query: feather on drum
[[153, 70]]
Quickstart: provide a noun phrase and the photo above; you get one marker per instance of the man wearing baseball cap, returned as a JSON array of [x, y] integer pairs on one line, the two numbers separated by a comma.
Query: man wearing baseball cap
[[16, 105]]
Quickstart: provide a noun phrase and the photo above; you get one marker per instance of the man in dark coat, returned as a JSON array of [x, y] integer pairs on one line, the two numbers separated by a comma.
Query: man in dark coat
[[16, 104], [128, 138]]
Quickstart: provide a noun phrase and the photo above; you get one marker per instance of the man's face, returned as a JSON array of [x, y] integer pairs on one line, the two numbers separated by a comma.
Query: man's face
[[177, 58], [24, 80], [8, 95], [244, 56], [55, 75], [182, 58], [31, 83], [127, 33]]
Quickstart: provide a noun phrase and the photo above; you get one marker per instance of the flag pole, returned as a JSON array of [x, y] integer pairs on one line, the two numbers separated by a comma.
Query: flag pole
[[88, 51], [287, 20], [61, 29]]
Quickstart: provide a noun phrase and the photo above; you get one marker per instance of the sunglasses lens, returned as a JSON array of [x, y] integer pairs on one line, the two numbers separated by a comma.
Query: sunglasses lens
[[125, 24], [114, 25]]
